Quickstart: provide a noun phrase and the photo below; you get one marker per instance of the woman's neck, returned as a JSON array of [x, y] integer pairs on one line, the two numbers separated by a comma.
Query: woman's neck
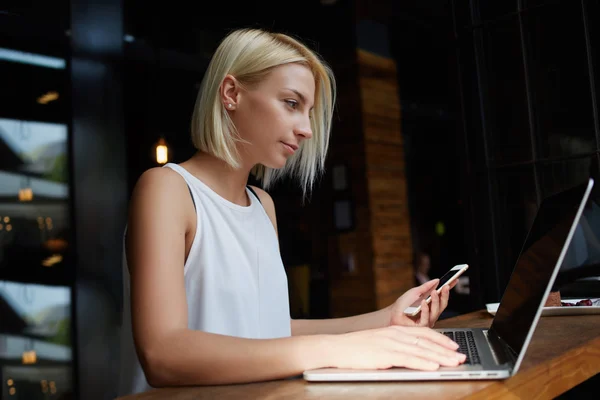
[[226, 181]]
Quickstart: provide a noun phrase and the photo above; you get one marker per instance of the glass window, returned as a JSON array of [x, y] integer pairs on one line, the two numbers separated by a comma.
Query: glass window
[[508, 115], [557, 176], [593, 15], [34, 176], [516, 207], [35, 219], [560, 82], [490, 10]]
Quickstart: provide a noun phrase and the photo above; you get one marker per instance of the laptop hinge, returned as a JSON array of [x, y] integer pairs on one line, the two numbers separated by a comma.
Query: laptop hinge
[[503, 352]]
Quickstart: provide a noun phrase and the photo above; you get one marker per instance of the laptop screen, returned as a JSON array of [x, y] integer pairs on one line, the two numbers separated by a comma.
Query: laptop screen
[[535, 266]]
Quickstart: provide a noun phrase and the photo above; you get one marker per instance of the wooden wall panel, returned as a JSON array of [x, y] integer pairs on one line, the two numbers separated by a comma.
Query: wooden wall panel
[[386, 179]]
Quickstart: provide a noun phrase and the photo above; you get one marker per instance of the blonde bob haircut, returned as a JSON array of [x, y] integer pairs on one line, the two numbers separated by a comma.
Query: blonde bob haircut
[[249, 55]]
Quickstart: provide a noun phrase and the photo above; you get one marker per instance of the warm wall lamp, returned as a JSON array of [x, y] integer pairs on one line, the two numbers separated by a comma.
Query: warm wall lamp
[[162, 152]]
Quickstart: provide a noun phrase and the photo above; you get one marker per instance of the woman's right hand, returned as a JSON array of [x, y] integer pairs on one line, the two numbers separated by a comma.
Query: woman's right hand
[[395, 346]]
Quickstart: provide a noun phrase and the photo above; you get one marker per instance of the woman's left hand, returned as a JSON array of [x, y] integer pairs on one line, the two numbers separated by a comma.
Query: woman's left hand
[[429, 313]]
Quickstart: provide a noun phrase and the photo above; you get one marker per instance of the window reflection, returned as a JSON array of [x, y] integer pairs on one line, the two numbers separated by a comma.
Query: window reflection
[[585, 249], [35, 295], [33, 193], [31, 58], [560, 175], [35, 341], [582, 260]]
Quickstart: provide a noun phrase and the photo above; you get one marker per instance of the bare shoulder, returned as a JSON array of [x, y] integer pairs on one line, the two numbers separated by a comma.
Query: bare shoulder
[[159, 178], [159, 190], [267, 203]]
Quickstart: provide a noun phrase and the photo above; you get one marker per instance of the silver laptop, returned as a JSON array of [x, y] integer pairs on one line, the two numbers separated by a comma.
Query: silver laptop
[[497, 353]]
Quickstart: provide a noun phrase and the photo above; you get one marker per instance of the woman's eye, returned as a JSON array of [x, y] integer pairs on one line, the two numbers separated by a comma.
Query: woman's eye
[[292, 103]]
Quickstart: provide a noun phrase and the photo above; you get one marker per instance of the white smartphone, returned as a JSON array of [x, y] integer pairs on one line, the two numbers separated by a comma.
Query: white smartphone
[[447, 279]]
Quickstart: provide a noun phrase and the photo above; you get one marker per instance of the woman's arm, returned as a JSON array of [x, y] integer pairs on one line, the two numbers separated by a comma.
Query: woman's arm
[[373, 320], [391, 315]]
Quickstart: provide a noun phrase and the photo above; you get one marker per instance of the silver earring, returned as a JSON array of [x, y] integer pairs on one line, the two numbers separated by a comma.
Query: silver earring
[[229, 105]]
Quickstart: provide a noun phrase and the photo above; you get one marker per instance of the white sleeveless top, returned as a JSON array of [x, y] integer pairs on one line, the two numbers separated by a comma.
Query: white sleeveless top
[[235, 281]]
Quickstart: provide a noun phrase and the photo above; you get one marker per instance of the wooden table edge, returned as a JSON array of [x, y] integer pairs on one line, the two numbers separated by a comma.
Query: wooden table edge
[[578, 364]]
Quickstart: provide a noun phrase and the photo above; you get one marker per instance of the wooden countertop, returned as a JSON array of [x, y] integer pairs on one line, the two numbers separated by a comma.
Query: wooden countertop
[[564, 352]]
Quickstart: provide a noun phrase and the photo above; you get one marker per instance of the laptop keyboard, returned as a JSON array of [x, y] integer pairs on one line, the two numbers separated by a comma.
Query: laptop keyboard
[[466, 341]]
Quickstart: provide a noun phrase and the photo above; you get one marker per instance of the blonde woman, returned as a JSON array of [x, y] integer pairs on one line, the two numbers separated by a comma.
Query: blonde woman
[[205, 289]]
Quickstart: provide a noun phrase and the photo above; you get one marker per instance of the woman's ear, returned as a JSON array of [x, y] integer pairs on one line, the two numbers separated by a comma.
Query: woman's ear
[[230, 91]]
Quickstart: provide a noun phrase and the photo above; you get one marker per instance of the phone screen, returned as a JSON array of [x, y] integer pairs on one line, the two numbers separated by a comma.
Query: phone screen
[[445, 278]]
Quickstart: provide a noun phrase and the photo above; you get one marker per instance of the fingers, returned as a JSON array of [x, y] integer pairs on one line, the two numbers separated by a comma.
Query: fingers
[[419, 343], [410, 347], [444, 298], [424, 317], [430, 334], [428, 286], [435, 307], [425, 349]]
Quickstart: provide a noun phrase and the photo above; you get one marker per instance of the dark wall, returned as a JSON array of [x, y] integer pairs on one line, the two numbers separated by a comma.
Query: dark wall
[[99, 189], [528, 79]]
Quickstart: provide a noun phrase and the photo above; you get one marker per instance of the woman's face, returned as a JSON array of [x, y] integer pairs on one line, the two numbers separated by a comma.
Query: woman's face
[[274, 115]]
